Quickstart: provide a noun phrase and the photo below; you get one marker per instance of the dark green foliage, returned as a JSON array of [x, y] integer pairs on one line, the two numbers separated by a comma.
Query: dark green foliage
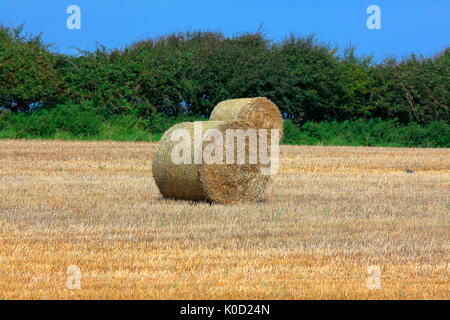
[[27, 71], [416, 89], [312, 82], [73, 122], [76, 120], [159, 123], [374, 132], [139, 91]]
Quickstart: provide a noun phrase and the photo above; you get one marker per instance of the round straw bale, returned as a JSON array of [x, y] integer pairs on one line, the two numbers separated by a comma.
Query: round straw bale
[[217, 182], [260, 111]]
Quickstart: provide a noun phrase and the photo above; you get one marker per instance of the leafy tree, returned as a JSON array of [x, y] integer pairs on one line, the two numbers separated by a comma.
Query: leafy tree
[[313, 84], [27, 75], [358, 80]]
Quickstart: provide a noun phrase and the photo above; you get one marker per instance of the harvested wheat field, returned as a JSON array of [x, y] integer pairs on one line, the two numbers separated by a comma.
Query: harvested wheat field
[[329, 214]]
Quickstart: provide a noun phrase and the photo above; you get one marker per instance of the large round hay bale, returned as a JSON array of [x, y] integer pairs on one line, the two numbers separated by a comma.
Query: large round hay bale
[[260, 111], [219, 182]]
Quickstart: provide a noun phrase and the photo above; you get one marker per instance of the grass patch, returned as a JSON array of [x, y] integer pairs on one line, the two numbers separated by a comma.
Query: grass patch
[[79, 122]]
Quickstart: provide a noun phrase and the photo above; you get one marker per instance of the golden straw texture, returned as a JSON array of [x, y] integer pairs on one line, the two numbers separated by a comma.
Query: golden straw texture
[[219, 182]]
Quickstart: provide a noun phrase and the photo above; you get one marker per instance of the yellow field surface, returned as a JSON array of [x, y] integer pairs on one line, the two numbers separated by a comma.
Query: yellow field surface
[[329, 215]]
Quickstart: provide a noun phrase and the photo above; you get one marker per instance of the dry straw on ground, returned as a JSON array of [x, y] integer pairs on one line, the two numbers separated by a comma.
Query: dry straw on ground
[[262, 112], [219, 182], [330, 213]]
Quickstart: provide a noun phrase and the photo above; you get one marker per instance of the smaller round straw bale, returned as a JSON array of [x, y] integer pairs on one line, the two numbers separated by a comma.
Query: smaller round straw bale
[[217, 182], [260, 111]]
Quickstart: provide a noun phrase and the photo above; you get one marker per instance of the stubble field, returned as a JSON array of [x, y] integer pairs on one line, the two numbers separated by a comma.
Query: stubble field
[[330, 214]]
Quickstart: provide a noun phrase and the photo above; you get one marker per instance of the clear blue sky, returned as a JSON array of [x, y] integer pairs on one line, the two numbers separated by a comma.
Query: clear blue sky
[[407, 25]]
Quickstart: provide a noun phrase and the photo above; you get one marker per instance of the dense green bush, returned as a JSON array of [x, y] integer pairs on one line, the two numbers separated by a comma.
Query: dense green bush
[[27, 71], [76, 120], [159, 123], [191, 72], [374, 132], [141, 90], [71, 121], [123, 128]]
